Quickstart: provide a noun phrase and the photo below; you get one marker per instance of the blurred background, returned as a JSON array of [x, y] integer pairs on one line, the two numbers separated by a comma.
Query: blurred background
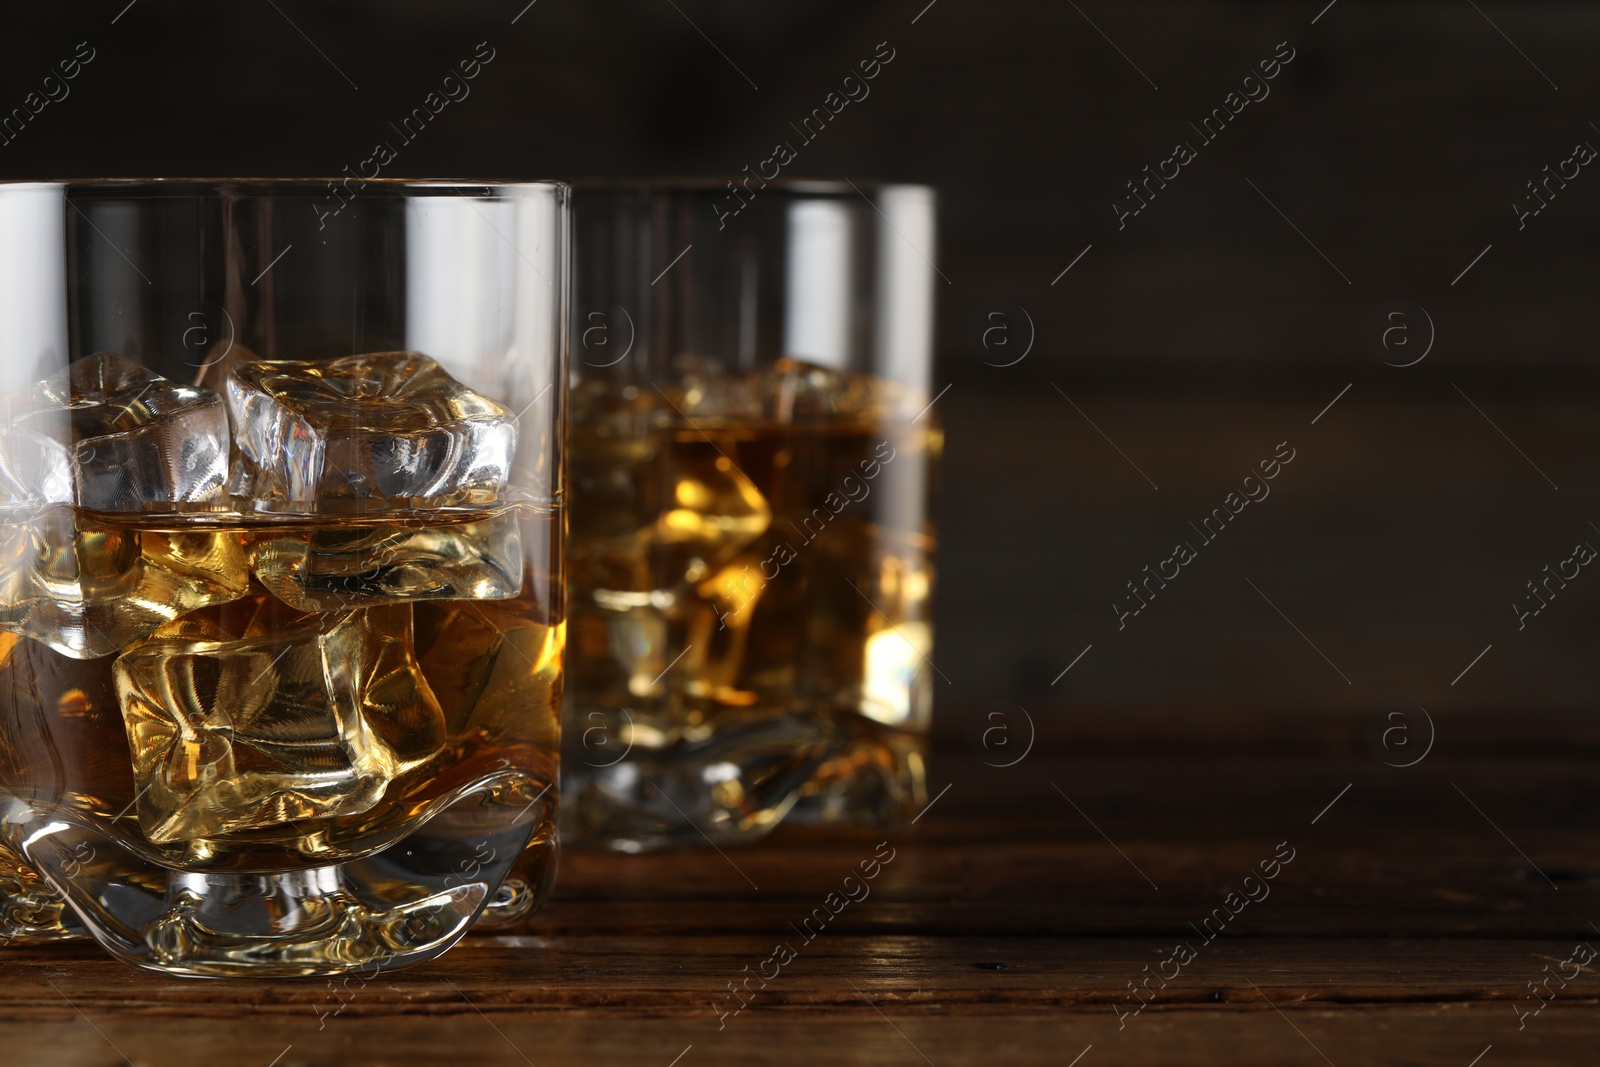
[[1353, 268]]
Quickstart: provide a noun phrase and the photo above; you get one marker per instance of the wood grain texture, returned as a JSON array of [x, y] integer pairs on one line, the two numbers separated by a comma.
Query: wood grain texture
[[1422, 1034], [1006, 928]]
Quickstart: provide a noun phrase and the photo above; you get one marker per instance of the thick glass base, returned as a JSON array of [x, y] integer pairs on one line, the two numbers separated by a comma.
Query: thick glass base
[[878, 777], [733, 784], [728, 785], [31, 911], [398, 906]]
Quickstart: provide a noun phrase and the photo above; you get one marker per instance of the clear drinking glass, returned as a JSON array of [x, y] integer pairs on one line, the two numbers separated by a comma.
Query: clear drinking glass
[[281, 612], [753, 455]]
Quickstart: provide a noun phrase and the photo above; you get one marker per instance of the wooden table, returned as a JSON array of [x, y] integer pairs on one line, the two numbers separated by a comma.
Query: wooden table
[[1008, 928]]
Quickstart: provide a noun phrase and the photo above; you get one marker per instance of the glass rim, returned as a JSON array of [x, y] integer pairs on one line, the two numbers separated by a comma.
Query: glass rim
[[296, 186], [719, 186]]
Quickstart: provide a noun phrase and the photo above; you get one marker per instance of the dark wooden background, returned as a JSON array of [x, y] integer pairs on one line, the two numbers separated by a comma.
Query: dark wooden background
[[1195, 339], [1378, 578]]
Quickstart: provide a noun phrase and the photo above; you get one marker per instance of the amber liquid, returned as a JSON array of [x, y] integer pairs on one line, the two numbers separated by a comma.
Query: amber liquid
[[728, 574], [251, 734]]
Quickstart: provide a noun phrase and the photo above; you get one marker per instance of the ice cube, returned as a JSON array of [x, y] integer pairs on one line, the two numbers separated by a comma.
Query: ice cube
[[136, 439], [88, 587], [711, 506], [391, 427], [659, 513], [35, 470], [620, 408], [791, 390], [288, 717], [496, 672], [323, 568]]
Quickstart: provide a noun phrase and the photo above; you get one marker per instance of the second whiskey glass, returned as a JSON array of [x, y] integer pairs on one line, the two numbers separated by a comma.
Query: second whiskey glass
[[753, 454]]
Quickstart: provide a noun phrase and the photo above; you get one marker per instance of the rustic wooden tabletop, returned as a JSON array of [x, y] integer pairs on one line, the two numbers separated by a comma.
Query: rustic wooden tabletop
[[1200, 888]]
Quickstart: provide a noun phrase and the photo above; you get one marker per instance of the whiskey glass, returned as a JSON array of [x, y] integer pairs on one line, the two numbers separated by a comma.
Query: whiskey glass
[[754, 447], [281, 609]]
